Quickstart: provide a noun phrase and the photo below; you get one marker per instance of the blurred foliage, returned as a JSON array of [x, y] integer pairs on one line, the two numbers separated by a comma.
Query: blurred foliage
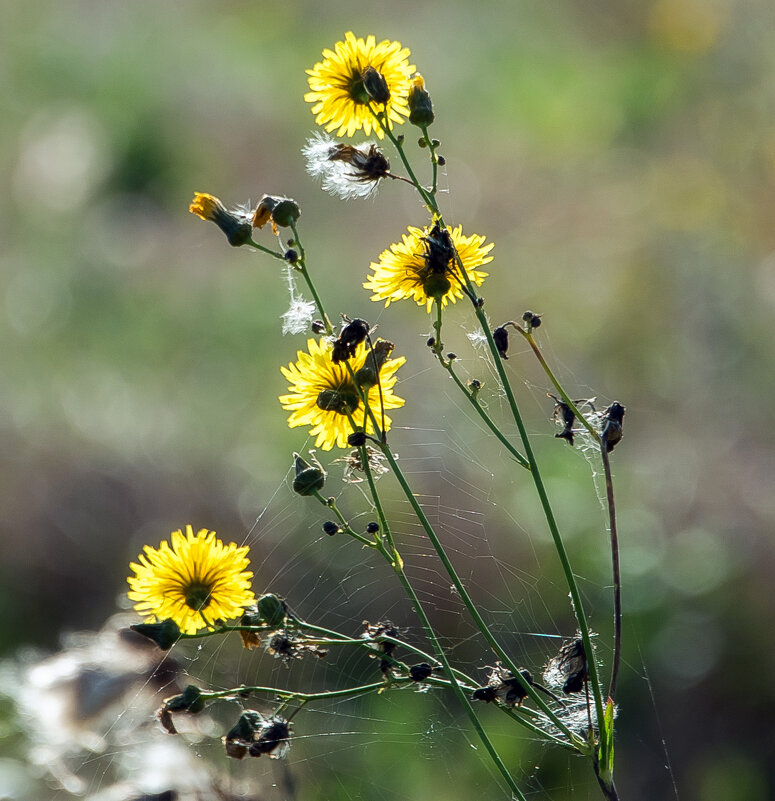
[[622, 158]]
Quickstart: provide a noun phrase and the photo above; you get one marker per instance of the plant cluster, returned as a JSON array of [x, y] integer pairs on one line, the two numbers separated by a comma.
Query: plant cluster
[[341, 388]]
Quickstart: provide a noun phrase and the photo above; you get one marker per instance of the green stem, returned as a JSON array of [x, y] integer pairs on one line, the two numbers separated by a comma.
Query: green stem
[[617, 579], [474, 400], [563, 394], [427, 197], [434, 163], [274, 253], [470, 605], [301, 266], [330, 503]]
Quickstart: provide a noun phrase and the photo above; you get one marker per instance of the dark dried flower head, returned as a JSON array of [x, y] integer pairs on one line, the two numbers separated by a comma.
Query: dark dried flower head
[[420, 672], [256, 735], [383, 628], [501, 338], [368, 375], [569, 668], [613, 417], [347, 171], [532, 320], [286, 646], [565, 415], [504, 685]]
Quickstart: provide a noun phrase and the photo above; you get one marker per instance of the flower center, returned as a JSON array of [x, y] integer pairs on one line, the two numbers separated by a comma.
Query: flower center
[[198, 596], [341, 401]]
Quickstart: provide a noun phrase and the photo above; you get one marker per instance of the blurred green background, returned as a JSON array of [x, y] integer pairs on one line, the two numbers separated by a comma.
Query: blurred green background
[[621, 155]]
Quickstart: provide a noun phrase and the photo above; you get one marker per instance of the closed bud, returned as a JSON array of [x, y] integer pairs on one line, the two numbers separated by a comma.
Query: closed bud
[[190, 700], [309, 478], [272, 610], [286, 212], [164, 634], [420, 104]]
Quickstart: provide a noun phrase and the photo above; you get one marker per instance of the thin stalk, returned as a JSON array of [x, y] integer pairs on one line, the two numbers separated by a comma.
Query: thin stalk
[[609, 488], [434, 163], [301, 266], [329, 503], [326, 695], [471, 396], [563, 394], [273, 253]]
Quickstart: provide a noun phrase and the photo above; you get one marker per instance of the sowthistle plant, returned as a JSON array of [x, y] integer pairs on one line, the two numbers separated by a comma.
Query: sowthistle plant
[[341, 388]]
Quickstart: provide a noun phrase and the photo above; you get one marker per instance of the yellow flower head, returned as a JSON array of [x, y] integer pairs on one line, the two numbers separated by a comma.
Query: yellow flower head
[[338, 90], [196, 580], [423, 266], [322, 393]]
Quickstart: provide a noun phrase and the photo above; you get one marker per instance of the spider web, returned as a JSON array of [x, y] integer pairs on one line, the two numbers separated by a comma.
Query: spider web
[[99, 739]]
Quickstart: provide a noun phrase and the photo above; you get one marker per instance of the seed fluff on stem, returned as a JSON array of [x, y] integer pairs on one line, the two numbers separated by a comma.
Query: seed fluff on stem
[[347, 171]]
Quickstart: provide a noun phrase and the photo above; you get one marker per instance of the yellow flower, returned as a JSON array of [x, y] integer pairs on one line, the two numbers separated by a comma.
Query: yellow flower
[[423, 266], [338, 91], [322, 393], [198, 577]]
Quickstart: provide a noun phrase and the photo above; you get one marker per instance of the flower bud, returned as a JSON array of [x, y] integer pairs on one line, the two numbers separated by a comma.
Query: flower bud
[[375, 85], [164, 634], [207, 207], [309, 478], [281, 211], [287, 211], [420, 104], [190, 700], [272, 609]]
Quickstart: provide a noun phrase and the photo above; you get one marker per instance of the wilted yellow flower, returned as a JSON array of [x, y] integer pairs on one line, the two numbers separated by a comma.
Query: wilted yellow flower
[[322, 394], [423, 266], [197, 577], [338, 91], [235, 225]]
